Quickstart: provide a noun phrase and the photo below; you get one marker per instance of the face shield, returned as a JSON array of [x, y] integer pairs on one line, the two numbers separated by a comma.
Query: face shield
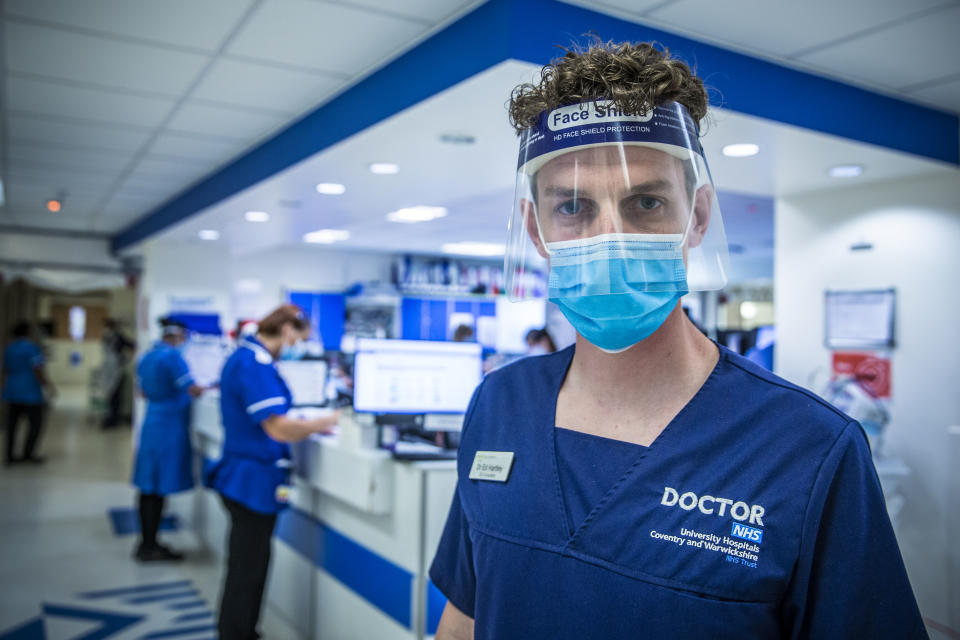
[[618, 206]]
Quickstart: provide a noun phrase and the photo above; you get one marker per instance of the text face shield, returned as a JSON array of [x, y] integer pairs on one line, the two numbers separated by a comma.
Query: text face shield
[[616, 205]]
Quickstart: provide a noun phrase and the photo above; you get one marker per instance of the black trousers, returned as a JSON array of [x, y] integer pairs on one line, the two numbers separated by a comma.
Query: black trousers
[[34, 414], [248, 558], [150, 507], [115, 401]]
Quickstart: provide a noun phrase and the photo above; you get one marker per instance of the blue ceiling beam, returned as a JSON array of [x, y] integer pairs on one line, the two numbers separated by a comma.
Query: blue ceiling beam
[[756, 87]]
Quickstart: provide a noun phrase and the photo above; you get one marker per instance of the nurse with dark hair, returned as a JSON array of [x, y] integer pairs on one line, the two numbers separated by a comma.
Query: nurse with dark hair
[[253, 476], [163, 464]]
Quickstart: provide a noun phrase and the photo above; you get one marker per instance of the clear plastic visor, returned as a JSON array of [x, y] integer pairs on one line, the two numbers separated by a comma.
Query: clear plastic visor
[[612, 216]]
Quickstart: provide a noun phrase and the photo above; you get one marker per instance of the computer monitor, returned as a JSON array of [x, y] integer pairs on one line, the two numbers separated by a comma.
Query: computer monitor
[[205, 356], [306, 379], [415, 376]]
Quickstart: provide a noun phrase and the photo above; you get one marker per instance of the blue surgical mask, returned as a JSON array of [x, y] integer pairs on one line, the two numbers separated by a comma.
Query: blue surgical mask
[[294, 351], [616, 290]]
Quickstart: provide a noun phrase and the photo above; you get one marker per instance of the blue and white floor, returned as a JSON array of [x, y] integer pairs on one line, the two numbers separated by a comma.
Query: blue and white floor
[[65, 562]]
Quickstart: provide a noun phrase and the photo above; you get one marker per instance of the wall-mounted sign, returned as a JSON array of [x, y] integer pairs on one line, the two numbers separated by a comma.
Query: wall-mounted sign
[[871, 371]]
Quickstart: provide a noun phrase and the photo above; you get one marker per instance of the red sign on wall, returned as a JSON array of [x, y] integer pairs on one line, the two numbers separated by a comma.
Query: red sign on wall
[[872, 372]]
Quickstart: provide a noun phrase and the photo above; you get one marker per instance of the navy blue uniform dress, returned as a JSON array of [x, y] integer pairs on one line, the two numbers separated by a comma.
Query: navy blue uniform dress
[[164, 460], [757, 513], [253, 465], [22, 385]]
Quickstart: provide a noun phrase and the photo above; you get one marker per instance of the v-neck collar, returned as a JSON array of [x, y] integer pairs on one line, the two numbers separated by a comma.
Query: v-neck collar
[[662, 441]]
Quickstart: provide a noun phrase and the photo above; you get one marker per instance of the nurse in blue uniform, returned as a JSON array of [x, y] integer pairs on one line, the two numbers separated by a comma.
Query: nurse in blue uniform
[[253, 476], [163, 464], [24, 383], [645, 482]]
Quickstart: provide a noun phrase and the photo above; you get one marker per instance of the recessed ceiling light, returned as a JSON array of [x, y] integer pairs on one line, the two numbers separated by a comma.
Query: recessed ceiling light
[[846, 171], [326, 236], [384, 168], [54, 205], [474, 248], [419, 213], [741, 150], [257, 216], [209, 234], [331, 188]]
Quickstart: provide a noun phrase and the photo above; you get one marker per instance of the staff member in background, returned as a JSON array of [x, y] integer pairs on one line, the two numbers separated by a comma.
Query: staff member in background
[[163, 459], [116, 348], [24, 381], [539, 342], [252, 477]]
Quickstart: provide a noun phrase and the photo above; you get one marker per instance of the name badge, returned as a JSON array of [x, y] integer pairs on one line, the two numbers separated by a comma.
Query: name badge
[[492, 465]]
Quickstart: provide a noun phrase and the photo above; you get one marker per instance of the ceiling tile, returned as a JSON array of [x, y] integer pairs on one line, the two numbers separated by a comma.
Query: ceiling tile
[[55, 180], [267, 87], [173, 167], [291, 31], [187, 23], [946, 95], [85, 172], [228, 123], [130, 208], [24, 128], [51, 98], [33, 205], [782, 28], [141, 183], [77, 57], [185, 145], [432, 11], [931, 50], [108, 161]]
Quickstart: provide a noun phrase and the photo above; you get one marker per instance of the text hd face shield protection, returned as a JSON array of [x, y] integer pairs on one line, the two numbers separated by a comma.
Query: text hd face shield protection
[[623, 210]]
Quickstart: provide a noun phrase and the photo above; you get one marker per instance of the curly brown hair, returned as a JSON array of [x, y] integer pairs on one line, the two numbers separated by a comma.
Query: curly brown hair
[[635, 77]]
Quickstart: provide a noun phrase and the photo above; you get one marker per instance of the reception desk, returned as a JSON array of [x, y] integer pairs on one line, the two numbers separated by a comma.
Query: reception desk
[[351, 554]]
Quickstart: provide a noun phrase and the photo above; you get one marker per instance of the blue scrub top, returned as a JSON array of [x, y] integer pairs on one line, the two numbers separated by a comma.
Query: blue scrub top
[[19, 360], [756, 513], [164, 377], [163, 463], [253, 464]]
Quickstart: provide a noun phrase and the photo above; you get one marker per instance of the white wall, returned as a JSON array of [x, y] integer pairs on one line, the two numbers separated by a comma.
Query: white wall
[[21, 247], [914, 226]]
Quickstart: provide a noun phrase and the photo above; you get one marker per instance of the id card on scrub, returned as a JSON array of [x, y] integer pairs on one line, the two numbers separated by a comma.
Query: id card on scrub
[[492, 465]]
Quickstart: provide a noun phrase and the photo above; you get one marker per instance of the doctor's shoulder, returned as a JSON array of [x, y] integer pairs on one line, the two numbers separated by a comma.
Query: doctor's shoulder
[[512, 390], [781, 405]]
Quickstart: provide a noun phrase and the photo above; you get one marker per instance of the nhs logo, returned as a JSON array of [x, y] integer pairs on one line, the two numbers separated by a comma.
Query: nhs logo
[[744, 532]]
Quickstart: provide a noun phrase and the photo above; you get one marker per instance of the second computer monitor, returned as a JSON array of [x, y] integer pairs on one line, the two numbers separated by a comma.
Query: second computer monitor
[[415, 376]]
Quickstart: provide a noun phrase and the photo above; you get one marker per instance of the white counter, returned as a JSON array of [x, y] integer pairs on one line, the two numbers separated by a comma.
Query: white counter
[[351, 554]]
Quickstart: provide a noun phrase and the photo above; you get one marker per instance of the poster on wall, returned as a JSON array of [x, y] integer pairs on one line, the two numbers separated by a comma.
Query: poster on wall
[[860, 319], [871, 370]]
